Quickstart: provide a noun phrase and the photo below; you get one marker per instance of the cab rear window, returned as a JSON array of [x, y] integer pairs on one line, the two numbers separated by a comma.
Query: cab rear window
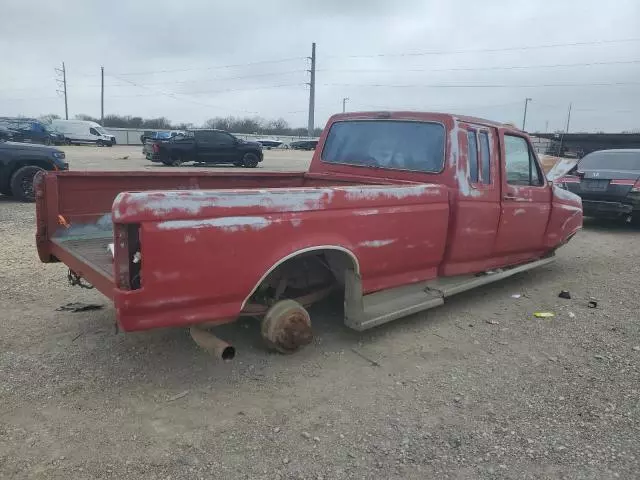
[[393, 144]]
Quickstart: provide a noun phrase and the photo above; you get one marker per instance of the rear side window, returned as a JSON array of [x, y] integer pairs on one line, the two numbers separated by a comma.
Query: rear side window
[[521, 166], [473, 156], [393, 144], [485, 158]]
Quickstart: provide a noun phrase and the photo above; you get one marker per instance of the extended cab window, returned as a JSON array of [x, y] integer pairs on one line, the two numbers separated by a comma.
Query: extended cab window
[[472, 157], [404, 145], [521, 165], [485, 156], [221, 138]]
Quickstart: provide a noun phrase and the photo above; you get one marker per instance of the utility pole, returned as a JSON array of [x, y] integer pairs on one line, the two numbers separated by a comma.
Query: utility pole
[[524, 119], [63, 72], [312, 91], [102, 96], [568, 119], [344, 104], [546, 126]]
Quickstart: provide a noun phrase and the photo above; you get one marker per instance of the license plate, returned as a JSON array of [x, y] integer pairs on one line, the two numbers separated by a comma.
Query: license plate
[[595, 185]]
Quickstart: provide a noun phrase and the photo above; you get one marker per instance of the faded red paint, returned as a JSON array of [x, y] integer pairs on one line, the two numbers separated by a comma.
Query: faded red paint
[[208, 239]]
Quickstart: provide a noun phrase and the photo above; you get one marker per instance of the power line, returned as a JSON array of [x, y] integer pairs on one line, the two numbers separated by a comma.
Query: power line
[[201, 80], [435, 85], [461, 69], [216, 67], [173, 95], [486, 50]]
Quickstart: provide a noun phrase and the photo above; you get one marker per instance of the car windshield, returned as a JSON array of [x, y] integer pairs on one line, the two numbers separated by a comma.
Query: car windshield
[[404, 145], [611, 160]]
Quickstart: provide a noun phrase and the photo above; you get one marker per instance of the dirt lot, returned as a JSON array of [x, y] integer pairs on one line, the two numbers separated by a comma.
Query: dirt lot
[[478, 388]]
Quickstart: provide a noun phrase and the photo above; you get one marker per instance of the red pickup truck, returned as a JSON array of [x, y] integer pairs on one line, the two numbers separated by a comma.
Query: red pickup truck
[[398, 211]]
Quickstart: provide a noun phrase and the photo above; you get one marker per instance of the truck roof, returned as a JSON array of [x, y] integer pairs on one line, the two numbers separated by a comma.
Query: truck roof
[[421, 115]]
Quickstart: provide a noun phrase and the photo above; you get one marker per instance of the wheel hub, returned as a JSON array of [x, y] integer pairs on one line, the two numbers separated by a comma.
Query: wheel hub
[[286, 328]]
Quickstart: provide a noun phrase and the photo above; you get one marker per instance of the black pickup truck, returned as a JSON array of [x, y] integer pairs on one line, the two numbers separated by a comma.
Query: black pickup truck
[[206, 146], [19, 163]]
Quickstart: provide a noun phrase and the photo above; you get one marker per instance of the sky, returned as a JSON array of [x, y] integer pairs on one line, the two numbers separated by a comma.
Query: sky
[[197, 59]]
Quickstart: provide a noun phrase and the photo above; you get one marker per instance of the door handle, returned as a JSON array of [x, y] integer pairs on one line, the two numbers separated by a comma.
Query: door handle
[[508, 196]]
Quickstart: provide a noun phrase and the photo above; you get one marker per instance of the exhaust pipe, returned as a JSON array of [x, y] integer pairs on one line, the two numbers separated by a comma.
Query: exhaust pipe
[[212, 344]]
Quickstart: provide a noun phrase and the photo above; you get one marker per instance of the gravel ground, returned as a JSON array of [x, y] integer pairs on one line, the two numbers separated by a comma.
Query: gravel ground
[[478, 388]]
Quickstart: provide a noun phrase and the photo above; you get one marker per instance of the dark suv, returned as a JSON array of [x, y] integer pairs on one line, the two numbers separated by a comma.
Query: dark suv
[[28, 131], [20, 162], [206, 146]]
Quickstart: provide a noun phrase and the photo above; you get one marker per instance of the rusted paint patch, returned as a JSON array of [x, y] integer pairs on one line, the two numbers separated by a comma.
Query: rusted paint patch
[[398, 192], [462, 171], [376, 243], [369, 211], [229, 224]]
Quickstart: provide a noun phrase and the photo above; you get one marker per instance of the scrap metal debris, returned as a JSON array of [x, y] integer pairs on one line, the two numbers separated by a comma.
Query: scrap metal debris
[[178, 396], [565, 294], [592, 304], [79, 307]]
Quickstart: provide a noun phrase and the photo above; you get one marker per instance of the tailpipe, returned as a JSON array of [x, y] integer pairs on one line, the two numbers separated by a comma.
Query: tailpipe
[[212, 344]]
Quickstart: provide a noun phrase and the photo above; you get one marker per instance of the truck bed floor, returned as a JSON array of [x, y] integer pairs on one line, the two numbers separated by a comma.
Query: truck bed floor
[[91, 251]]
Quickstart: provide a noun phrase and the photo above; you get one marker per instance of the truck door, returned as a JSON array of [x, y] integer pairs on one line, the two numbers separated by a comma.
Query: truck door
[[526, 198], [472, 233], [214, 147]]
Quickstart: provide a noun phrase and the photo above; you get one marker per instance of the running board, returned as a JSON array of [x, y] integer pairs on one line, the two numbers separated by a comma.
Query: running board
[[368, 311]]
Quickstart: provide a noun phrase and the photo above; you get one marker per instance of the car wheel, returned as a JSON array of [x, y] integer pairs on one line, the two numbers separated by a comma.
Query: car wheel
[[250, 160], [22, 183]]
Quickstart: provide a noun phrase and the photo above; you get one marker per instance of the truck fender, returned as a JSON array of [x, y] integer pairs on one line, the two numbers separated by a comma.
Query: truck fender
[[335, 248]]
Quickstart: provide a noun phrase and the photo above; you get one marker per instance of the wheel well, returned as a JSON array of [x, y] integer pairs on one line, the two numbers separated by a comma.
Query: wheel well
[[17, 165], [305, 270]]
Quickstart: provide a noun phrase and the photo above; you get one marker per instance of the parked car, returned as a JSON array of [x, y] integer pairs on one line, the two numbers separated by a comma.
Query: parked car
[[304, 145], [398, 212], [83, 131], [269, 144], [206, 146], [20, 162], [608, 181], [147, 135], [29, 131]]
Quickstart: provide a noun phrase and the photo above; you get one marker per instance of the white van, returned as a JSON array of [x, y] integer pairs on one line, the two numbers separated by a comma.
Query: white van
[[83, 131]]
